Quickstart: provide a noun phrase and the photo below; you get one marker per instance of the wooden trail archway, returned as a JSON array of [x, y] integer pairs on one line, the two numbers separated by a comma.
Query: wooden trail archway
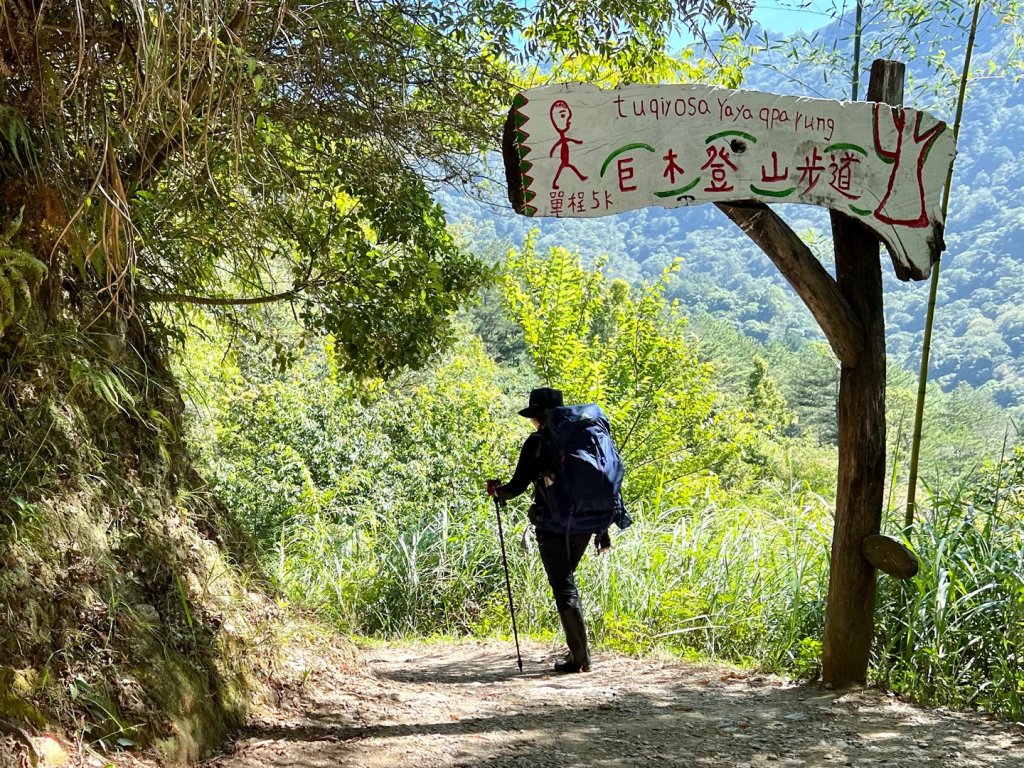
[[849, 310]]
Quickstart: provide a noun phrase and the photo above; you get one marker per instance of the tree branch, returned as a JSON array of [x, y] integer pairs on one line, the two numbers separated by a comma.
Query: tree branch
[[155, 297], [812, 282]]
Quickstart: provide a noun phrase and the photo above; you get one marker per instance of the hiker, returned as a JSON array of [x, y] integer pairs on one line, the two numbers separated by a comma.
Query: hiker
[[562, 541]]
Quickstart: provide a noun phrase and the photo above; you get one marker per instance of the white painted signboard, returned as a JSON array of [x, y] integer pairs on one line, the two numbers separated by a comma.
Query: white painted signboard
[[583, 151]]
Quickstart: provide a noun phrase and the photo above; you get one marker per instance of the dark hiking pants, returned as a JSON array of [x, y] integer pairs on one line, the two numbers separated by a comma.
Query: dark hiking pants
[[560, 555]]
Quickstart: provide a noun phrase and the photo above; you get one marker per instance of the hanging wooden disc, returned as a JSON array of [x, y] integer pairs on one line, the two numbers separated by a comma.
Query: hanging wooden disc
[[889, 555]]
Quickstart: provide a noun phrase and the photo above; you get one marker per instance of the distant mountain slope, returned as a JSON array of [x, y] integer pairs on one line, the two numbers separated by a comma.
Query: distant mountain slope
[[979, 334]]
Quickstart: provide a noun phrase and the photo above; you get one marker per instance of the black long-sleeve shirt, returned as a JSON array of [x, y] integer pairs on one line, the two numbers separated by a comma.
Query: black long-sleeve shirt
[[533, 462]]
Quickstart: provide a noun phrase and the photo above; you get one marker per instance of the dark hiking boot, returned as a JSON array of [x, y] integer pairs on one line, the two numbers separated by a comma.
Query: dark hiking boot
[[578, 658]]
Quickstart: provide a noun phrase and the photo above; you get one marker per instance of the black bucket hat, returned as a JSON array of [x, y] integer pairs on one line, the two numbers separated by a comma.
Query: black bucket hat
[[542, 400]]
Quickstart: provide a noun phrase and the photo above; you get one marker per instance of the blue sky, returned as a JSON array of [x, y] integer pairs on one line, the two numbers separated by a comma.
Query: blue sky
[[787, 16]]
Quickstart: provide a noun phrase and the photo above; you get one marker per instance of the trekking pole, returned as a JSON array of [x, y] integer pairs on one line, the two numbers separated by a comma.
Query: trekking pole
[[508, 585]]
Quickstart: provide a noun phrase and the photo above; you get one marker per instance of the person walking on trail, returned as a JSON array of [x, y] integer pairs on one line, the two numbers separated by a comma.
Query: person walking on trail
[[576, 473]]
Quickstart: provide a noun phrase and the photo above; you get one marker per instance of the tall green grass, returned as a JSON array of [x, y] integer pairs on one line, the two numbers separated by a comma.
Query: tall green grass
[[955, 633], [741, 583], [730, 582], [435, 571]]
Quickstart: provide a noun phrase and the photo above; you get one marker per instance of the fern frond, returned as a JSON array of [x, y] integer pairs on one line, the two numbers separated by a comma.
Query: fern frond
[[16, 137], [31, 268], [12, 228], [6, 301], [20, 273]]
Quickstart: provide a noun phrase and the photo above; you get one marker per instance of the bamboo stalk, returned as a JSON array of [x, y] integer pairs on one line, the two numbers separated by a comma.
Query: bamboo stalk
[[922, 384], [858, 30]]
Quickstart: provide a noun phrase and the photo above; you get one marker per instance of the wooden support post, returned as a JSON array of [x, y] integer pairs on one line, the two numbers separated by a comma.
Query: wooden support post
[[849, 616]]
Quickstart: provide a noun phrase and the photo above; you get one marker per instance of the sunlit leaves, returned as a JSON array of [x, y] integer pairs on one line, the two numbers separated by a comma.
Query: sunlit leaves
[[230, 154], [600, 341], [630, 37], [723, 64]]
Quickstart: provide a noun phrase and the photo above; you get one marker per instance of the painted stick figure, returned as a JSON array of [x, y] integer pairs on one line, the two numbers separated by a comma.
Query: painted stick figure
[[561, 119]]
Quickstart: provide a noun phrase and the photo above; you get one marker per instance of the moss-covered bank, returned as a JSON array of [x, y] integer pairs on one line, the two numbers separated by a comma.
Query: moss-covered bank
[[132, 614]]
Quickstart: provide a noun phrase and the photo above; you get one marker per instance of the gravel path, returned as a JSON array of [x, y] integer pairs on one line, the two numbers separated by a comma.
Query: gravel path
[[465, 704]]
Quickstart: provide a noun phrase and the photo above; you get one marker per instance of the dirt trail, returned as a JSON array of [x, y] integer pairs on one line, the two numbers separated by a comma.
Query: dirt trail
[[465, 704]]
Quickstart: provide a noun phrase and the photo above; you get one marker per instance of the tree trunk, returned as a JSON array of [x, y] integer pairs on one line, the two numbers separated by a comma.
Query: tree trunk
[[849, 617]]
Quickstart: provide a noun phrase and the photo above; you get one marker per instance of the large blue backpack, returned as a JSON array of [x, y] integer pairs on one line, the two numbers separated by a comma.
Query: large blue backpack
[[582, 494]]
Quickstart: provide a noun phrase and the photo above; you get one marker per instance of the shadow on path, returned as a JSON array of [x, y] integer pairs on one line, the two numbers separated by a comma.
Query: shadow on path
[[456, 705], [483, 666]]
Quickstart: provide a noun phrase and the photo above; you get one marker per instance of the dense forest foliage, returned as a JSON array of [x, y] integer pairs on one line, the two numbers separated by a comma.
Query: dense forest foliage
[[978, 336]]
